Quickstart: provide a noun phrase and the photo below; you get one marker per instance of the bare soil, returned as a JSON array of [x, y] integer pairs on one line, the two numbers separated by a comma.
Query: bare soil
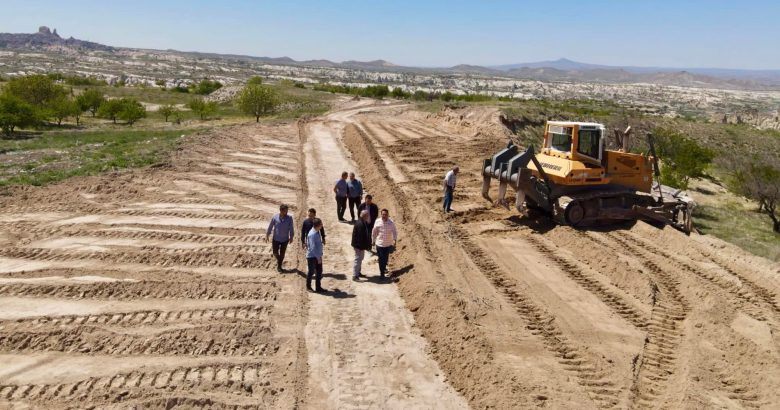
[[154, 288]]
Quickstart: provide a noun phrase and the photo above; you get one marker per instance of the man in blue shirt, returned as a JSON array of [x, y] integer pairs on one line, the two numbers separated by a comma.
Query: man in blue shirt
[[342, 191], [314, 253], [283, 230], [355, 193]]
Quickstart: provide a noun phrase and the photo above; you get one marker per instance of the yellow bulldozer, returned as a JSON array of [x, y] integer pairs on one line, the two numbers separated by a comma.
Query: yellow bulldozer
[[579, 182]]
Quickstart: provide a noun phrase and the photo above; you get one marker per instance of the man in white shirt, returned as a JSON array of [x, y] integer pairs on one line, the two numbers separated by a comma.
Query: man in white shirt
[[449, 187], [384, 236]]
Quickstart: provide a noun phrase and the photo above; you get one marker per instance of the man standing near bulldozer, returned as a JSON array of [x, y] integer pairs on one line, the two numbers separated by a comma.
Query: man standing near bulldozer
[[449, 187]]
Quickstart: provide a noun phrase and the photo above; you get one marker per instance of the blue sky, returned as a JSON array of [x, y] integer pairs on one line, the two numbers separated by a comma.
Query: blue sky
[[683, 33]]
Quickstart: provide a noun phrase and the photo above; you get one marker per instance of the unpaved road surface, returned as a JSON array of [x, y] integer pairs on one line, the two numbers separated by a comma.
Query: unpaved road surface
[[154, 288]]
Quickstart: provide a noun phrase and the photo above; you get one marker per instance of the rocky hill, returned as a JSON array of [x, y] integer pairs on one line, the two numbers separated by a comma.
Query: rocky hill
[[47, 39]]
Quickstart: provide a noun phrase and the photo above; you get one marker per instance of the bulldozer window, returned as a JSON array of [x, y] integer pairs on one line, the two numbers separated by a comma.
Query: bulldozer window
[[589, 143], [560, 138]]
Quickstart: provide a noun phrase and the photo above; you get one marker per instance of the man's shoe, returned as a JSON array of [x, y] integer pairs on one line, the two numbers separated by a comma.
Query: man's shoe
[[279, 268], [355, 278], [309, 289], [319, 290]]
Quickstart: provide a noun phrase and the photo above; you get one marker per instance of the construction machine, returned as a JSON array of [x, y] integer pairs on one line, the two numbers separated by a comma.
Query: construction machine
[[579, 182]]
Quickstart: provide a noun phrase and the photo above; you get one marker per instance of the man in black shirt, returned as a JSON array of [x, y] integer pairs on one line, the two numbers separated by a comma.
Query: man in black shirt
[[361, 242], [372, 208], [308, 223]]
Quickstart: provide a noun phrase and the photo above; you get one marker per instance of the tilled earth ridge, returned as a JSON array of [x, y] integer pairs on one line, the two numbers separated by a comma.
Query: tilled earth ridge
[[153, 288], [628, 317]]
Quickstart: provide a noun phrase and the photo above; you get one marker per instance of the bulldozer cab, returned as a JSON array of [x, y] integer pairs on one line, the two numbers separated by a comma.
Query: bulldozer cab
[[576, 141]]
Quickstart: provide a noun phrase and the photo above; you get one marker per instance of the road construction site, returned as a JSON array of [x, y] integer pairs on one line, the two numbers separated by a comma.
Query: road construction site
[[153, 288]]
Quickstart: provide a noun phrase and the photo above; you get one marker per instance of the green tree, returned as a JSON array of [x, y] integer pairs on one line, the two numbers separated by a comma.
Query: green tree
[[37, 90], [110, 109], [131, 111], [63, 107], [757, 178], [15, 112], [256, 80], [399, 93], [167, 110], [681, 158], [202, 107], [91, 100], [258, 100]]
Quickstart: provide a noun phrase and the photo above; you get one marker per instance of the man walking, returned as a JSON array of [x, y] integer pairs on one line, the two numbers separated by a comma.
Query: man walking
[[361, 242], [283, 230], [355, 191], [384, 237], [341, 190], [308, 224], [373, 211], [314, 254], [449, 187]]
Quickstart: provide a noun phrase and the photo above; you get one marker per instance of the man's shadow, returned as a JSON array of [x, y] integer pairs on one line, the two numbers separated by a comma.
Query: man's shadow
[[335, 293], [393, 276]]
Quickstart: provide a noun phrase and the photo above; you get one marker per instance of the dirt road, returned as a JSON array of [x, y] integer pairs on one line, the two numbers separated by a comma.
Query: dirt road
[[153, 288]]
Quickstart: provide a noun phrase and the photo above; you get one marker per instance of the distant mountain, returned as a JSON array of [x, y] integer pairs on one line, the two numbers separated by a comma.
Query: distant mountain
[[559, 64], [45, 39], [627, 73], [555, 70]]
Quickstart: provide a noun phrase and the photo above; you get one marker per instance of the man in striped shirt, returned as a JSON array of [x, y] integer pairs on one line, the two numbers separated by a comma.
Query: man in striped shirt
[[384, 237]]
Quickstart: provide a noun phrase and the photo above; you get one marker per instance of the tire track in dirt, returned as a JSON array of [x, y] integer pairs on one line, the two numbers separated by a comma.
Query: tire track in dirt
[[218, 255], [227, 215], [658, 359], [245, 379], [146, 317], [147, 289], [593, 380], [744, 299], [241, 192], [238, 339], [767, 295], [579, 274]]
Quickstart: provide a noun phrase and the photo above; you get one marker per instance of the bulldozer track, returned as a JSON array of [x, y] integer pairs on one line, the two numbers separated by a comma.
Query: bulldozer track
[[737, 390], [576, 272], [245, 379], [147, 289], [245, 256], [743, 298], [237, 191], [150, 234], [658, 359], [589, 376], [240, 339], [767, 295], [228, 215], [255, 178], [145, 317]]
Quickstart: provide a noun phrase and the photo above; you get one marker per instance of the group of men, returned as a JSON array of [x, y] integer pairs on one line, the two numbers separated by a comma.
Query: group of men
[[372, 229]]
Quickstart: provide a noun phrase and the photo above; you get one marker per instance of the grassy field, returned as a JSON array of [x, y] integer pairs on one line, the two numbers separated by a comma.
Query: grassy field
[[54, 156], [51, 153]]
